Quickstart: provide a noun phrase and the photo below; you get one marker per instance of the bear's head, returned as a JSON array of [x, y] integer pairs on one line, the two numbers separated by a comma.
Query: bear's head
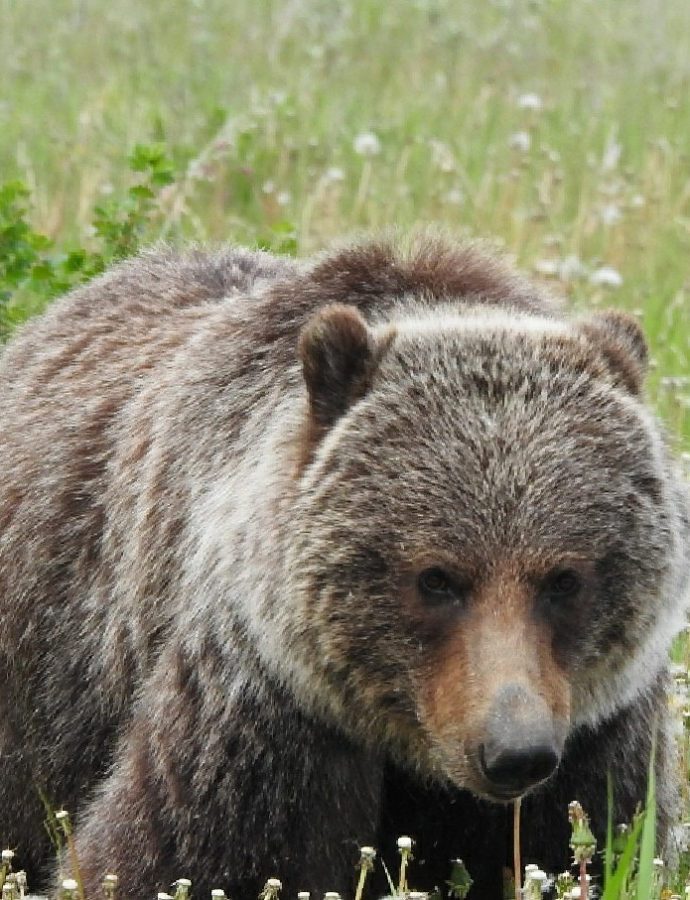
[[485, 549]]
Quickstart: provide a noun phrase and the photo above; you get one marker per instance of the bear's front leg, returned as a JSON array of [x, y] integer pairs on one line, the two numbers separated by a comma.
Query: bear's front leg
[[221, 779]]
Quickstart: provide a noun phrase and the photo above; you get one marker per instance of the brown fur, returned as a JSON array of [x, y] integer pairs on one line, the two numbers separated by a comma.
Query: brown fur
[[223, 476]]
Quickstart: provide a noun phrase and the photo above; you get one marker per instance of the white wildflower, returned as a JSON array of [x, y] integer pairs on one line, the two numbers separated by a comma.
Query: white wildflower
[[455, 196], [530, 101], [442, 156], [219, 894], [546, 267], [367, 144], [606, 276], [404, 843], [571, 268], [334, 173], [612, 155], [283, 198], [610, 214], [520, 140], [268, 187]]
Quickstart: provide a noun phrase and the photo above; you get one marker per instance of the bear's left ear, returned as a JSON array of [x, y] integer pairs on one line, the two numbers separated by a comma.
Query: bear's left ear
[[337, 352], [622, 345]]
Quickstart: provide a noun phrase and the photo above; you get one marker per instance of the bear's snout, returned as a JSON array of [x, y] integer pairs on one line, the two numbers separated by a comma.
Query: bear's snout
[[520, 746]]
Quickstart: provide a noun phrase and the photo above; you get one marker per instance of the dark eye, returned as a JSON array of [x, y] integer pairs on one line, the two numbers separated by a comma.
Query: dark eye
[[437, 587], [563, 584]]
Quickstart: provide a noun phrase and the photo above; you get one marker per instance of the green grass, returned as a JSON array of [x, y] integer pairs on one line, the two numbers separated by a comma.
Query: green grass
[[261, 104]]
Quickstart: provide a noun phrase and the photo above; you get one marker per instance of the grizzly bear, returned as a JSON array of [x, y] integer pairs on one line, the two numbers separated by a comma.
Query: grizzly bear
[[299, 556]]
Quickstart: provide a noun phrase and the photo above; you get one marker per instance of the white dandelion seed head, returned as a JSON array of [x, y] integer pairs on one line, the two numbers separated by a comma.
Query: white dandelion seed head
[[367, 144], [520, 140], [218, 894], [530, 101], [612, 155], [367, 852], [606, 276], [546, 267], [404, 843], [7, 855], [69, 884], [274, 883], [610, 214], [334, 173]]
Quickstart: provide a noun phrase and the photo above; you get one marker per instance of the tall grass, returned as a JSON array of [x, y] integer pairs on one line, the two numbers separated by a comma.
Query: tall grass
[[559, 129]]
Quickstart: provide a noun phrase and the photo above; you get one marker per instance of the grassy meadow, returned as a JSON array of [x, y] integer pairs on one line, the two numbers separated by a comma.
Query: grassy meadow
[[557, 129]]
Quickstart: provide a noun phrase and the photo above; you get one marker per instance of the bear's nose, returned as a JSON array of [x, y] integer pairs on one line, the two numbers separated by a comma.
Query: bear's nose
[[520, 747], [512, 770]]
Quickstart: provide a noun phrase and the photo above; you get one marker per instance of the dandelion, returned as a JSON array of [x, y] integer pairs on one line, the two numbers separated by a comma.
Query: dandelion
[[9, 889], [367, 855], [367, 144], [535, 880], [334, 174], [109, 885], [612, 155], [271, 889], [303, 895], [582, 842], [571, 268], [405, 849], [20, 878], [606, 276], [460, 881], [68, 889], [455, 196], [530, 101], [610, 214], [520, 140], [218, 894], [546, 267], [182, 886]]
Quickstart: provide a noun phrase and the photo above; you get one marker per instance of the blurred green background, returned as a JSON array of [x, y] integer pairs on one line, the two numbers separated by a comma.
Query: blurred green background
[[560, 130]]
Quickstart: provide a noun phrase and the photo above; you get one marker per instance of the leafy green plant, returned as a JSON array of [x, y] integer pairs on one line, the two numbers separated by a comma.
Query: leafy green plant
[[32, 270]]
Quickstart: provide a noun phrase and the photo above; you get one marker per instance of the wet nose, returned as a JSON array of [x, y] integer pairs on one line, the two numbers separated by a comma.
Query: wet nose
[[520, 748], [515, 769]]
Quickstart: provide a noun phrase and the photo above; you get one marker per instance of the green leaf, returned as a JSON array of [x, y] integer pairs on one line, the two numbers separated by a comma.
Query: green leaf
[[612, 889], [645, 875]]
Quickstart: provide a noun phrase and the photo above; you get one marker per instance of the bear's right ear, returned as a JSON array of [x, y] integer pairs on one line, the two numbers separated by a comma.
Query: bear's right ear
[[337, 352]]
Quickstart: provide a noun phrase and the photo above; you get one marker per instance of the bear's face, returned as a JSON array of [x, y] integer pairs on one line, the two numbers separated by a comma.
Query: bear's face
[[480, 537]]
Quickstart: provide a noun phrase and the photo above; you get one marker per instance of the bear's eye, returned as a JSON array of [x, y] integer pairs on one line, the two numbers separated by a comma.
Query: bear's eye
[[563, 584], [437, 587]]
